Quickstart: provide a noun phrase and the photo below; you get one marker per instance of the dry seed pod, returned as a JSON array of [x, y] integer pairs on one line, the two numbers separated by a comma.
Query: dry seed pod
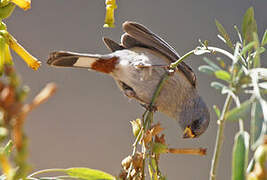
[[137, 160], [160, 139], [147, 137], [123, 175], [156, 129], [125, 163], [7, 96], [1, 86]]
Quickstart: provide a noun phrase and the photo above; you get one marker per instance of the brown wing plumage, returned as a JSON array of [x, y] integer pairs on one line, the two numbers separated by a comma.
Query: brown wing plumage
[[138, 35]]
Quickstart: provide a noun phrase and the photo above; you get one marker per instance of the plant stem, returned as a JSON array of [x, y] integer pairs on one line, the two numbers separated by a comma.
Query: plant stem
[[219, 139], [158, 89], [175, 64]]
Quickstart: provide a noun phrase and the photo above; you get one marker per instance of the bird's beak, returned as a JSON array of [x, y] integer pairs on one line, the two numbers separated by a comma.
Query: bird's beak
[[188, 133]]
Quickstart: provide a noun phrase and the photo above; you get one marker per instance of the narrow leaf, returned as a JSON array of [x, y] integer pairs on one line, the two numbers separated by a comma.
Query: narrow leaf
[[256, 122], [239, 112], [256, 59], [249, 25], [217, 85], [159, 148], [248, 47], [212, 64], [238, 33], [240, 156], [223, 75], [264, 38], [224, 34], [217, 111], [8, 148], [206, 69], [251, 165], [88, 174]]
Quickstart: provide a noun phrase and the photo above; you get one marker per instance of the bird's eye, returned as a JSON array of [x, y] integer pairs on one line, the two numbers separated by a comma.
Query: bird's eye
[[195, 124]]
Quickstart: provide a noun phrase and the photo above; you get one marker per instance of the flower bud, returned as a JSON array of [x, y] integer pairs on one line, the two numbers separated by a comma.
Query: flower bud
[[136, 126]]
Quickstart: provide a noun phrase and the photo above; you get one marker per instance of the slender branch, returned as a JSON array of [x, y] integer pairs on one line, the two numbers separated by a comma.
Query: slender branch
[[219, 139], [175, 64], [222, 51], [158, 89]]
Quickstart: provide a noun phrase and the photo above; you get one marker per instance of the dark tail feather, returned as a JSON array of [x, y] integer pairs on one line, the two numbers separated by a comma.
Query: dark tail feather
[[100, 63], [71, 59]]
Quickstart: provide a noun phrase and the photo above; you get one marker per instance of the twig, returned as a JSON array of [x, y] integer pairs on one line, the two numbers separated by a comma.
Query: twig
[[219, 139], [199, 151]]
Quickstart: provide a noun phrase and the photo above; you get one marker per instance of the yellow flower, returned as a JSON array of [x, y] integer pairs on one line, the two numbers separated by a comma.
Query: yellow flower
[[2, 53], [6, 167], [110, 7], [8, 57], [27, 57], [24, 4]]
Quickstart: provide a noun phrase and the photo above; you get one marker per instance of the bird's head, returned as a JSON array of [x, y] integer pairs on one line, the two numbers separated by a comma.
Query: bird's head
[[195, 120]]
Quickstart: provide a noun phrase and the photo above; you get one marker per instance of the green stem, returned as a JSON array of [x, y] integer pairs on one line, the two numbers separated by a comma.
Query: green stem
[[175, 64], [46, 171], [219, 139], [158, 89]]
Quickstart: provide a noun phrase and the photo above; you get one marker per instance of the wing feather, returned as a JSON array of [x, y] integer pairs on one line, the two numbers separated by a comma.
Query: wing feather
[[138, 35]]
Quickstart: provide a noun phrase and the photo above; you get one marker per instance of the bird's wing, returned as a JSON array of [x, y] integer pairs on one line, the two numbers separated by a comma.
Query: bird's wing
[[138, 35], [112, 45]]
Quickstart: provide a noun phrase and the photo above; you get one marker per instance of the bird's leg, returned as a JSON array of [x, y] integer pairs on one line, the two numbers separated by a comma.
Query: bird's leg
[[149, 108]]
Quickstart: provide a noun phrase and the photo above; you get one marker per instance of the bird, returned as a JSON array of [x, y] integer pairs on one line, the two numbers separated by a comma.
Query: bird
[[137, 65]]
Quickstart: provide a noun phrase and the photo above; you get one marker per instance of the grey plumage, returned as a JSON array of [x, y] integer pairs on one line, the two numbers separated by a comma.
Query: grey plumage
[[137, 74]]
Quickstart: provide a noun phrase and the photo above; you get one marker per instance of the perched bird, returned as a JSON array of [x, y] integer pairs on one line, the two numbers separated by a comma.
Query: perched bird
[[137, 65]]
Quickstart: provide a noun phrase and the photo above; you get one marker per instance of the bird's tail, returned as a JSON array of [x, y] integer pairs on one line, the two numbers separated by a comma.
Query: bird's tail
[[101, 63]]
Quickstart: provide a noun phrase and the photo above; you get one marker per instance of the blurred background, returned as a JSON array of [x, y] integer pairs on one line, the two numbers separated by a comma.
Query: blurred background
[[86, 124]]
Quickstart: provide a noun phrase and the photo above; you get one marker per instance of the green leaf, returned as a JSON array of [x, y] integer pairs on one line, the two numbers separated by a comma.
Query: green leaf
[[8, 148], [88, 174], [256, 59], [264, 38], [2, 53], [150, 170], [217, 85], [224, 34], [159, 148], [212, 64], [238, 33], [7, 10], [249, 26], [223, 75], [248, 47], [217, 111], [261, 50], [240, 156], [251, 165], [256, 123], [206, 69], [239, 112]]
